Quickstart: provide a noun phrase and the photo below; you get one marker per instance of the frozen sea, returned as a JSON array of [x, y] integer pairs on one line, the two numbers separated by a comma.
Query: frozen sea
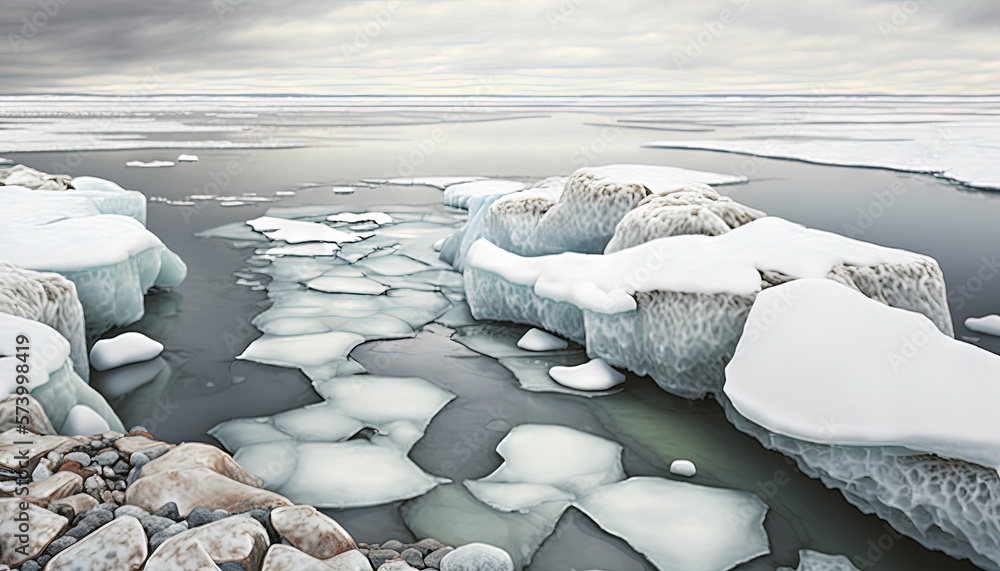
[[913, 173]]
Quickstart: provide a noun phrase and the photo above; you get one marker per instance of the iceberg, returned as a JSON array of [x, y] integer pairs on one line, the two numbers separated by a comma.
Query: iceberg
[[323, 462], [878, 403], [69, 402], [674, 308], [675, 525], [96, 239]]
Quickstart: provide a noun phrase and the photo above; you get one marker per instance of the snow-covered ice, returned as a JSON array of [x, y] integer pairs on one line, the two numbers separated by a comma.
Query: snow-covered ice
[[81, 419], [95, 238], [458, 195], [988, 324], [297, 231], [537, 340], [149, 164], [441, 182], [880, 404], [595, 375], [125, 349], [343, 189], [322, 464], [684, 468], [379, 218], [51, 378]]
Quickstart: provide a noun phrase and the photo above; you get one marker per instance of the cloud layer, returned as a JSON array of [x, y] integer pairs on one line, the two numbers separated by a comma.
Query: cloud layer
[[537, 47]]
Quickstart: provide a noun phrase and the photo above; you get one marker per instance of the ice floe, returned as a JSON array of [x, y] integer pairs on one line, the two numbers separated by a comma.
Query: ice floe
[[594, 375], [441, 182], [459, 195], [878, 403], [125, 349], [95, 238], [187, 158], [321, 464], [297, 231], [675, 525], [379, 218], [537, 340], [149, 164], [684, 468], [989, 324]]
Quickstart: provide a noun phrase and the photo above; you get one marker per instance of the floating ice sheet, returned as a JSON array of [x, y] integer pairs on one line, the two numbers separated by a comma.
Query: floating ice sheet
[[441, 182], [149, 164], [297, 231], [458, 195]]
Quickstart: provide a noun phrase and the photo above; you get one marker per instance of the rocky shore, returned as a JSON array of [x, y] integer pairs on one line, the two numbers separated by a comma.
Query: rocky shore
[[128, 501]]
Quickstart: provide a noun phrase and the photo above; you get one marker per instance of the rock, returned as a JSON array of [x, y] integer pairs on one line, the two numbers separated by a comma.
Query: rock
[[311, 532], [192, 456], [131, 511], [434, 558], [395, 566], [192, 557], [91, 521], [426, 546], [240, 539], [169, 510], [393, 544], [201, 516], [59, 545], [107, 458], [380, 556], [477, 557], [30, 566], [58, 486], [40, 472], [413, 557], [11, 411], [11, 453], [153, 524], [77, 469], [45, 527], [129, 445], [199, 487], [230, 566], [73, 505], [138, 459], [118, 545], [286, 558], [81, 458], [158, 538], [684, 468]]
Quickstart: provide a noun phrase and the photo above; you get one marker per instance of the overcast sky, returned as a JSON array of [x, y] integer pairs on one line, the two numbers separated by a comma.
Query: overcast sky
[[539, 47]]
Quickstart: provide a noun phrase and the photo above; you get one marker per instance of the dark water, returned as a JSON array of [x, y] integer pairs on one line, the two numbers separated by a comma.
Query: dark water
[[204, 323]]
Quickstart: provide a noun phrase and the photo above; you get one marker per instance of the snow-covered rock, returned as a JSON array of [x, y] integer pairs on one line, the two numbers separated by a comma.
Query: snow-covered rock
[[125, 349], [458, 195], [674, 308], [68, 401], [878, 403], [477, 557], [684, 468], [50, 299], [96, 239], [594, 375], [27, 177], [989, 324]]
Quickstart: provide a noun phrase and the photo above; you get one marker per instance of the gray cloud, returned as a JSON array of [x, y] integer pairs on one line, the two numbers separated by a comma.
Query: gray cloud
[[522, 46]]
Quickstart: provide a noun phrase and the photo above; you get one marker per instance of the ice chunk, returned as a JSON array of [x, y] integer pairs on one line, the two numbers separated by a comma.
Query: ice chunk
[[815, 561], [83, 420], [305, 250], [862, 424], [149, 164], [990, 324], [458, 195], [297, 231], [319, 355], [674, 308], [27, 177], [112, 258], [538, 340], [322, 465], [684, 468], [359, 285], [187, 158], [228, 203], [355, 217], [125, 349], [595, 375], [532, 373], [94, 183], [285, 193], [679, 525], [343, 189]]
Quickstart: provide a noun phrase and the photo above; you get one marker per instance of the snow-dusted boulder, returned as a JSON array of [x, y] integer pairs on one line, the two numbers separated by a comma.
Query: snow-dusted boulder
[[695, 209], [878, 403], [51, 379], [582, 217], [25, 176], [674, 308], [50, 299], [96, 239]]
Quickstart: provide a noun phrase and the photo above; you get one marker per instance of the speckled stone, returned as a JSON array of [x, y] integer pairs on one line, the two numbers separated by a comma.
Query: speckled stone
[[192, 456], [45, 527], [286, 557], [56, 487], [311, 532], [240, 539], [120, 544], [201, 487], [477, 557]]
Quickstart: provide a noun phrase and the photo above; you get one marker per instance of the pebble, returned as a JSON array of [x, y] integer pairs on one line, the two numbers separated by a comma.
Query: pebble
[[166, 534], [230, 566], [169, 510], [40, 473], [477, 557], [201, 516], [92, 520], [153, 524], [134, 511], [412, 557], [138, 459], [683, 468], [434, 558], [81, 458], [30, 566], [60, 544], [380, 556], [393, 544], [425, 546], [107, 458]]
